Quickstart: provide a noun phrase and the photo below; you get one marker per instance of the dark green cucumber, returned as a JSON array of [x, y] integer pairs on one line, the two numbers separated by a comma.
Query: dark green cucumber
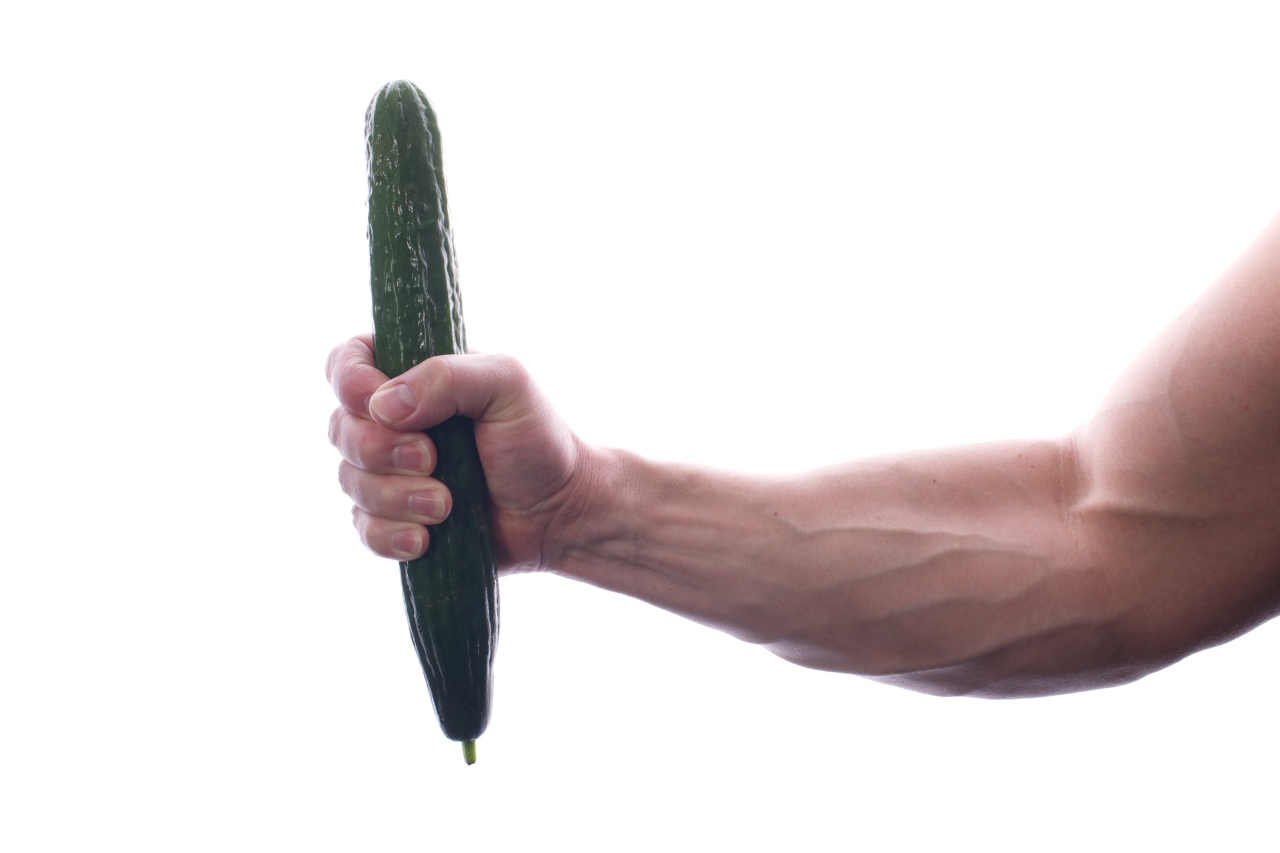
[[451, 592]]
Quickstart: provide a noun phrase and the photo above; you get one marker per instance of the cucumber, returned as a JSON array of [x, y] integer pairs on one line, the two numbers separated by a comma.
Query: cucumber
[[451, 592]]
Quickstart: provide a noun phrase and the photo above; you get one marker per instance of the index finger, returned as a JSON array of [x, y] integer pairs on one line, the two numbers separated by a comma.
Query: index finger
[[351, 371]]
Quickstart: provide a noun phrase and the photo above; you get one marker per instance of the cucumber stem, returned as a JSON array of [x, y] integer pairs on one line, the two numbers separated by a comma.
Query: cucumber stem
[[469, 751]]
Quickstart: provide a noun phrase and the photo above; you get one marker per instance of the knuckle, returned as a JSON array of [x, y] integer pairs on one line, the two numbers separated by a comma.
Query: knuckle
[[510, 370], [372, 534], [359, 442], [437, 379], [513, 387], [330, 362], [371, 448], [335, 421], [361, 522], [336, 367], [348, 479], [355, 447]]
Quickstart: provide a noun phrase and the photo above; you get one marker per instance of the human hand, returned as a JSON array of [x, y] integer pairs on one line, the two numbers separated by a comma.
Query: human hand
[[532, 462]]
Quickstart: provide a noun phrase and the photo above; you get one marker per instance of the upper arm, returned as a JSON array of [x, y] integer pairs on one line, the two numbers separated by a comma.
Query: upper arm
[[1177, 476]]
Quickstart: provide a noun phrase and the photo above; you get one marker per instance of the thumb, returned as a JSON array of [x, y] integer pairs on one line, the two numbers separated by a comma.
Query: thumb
[[483, 387]]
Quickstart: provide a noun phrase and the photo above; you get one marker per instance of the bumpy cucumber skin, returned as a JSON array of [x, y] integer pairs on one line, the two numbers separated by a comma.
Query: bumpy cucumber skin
[[451, 592]]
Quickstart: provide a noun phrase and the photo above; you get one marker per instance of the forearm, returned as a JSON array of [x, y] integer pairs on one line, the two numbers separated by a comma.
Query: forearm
[[947, 571], [1002, 570]]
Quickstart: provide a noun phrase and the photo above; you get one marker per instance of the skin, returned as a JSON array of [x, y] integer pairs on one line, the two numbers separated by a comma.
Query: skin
[[1001, 570]]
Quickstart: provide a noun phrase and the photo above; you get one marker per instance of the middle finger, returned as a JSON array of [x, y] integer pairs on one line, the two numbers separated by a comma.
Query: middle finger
[[400, 498]]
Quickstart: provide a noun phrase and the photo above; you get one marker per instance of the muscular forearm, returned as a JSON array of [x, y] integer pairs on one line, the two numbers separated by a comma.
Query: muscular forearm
[[1002, 570], [947, 571]]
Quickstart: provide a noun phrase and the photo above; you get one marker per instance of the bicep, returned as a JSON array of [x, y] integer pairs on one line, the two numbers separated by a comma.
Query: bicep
[[1178, 474]]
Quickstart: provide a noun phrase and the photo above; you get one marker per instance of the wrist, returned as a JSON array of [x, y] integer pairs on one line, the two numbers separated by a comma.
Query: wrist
[[591, 515], [679, 537]]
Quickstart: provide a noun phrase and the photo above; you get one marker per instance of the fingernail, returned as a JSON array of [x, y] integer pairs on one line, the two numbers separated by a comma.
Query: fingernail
[[426, 504], [407, 543], [411, 456], [394, 404]]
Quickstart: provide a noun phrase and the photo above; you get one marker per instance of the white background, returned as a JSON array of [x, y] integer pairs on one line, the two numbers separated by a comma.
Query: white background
[[757, 236]]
